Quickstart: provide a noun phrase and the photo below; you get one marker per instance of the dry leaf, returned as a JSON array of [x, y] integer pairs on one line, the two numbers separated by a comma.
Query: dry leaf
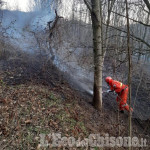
[[28, 121]]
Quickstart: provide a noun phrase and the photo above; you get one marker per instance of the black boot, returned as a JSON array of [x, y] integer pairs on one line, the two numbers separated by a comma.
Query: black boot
[[122, 111]]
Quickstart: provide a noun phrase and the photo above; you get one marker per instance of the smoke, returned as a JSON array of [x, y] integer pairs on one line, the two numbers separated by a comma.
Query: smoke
[[24, 6], [90, 92], [27, 24], [23, 19]]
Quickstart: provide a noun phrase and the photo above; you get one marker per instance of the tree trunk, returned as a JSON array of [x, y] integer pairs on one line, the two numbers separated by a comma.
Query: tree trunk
[[98, 53], [129, 72]]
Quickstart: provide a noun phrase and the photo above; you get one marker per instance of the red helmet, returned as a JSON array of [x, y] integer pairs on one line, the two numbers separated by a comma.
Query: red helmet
[[108, 79]]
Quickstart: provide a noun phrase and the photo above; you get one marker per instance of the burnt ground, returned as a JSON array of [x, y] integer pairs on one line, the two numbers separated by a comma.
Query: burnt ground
[[35, 98]]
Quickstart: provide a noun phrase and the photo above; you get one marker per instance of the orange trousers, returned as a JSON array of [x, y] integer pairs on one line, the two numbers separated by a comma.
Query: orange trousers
[[122, 100]]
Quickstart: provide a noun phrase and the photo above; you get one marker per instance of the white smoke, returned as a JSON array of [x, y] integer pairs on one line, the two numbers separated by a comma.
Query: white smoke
[[28, 21], [21, 5]]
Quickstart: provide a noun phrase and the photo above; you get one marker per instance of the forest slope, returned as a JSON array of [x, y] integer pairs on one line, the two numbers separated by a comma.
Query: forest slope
[[35, 99]]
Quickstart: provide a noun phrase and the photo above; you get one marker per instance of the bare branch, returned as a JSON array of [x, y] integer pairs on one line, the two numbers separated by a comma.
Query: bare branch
[[88, 5], [147, 4], [131, 35], [132, 19], [54, 23]]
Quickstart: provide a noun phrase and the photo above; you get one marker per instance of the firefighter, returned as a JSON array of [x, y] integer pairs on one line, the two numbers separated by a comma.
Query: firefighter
[[122, 93]]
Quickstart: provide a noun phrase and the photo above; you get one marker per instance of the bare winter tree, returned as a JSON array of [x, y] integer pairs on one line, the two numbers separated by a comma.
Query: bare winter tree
[[96, 16], [98, 51], [129, 72]]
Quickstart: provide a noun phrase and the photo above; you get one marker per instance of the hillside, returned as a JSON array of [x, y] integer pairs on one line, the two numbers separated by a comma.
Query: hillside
[[36, 99], [47, 76]]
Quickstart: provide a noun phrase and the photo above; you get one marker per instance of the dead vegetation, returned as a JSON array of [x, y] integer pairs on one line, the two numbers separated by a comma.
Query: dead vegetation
[[35, 99], [30, 110]]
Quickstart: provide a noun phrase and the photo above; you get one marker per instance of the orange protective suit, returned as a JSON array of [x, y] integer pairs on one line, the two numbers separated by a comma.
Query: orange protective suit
[[122, 91]]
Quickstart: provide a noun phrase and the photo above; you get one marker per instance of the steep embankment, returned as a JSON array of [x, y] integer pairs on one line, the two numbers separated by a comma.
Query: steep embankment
[[36, 99]]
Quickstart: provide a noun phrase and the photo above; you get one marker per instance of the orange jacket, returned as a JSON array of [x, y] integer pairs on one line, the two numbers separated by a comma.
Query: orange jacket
[[117, 86]]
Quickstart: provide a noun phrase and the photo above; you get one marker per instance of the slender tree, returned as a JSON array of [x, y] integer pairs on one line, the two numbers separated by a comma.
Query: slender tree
[[129, 71], [98, 52], [96, 16]]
